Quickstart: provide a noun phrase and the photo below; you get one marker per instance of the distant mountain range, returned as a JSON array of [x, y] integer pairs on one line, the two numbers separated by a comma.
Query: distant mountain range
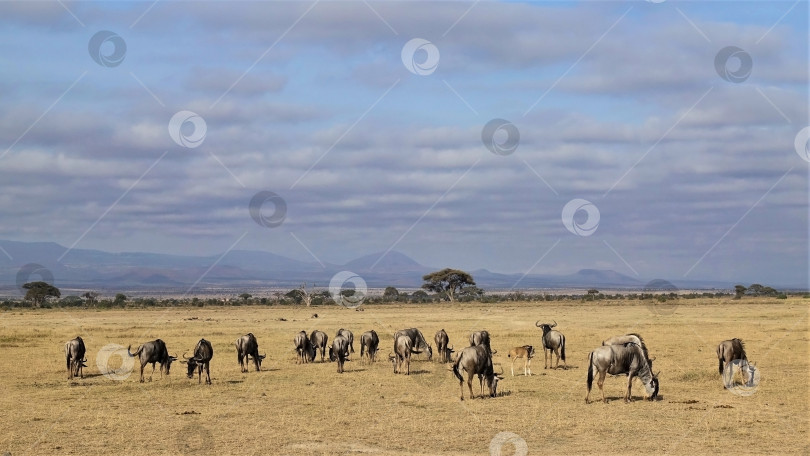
[[95, 269]]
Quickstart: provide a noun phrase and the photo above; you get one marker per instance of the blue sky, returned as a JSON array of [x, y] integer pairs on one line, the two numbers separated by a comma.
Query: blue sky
[[617, 103]]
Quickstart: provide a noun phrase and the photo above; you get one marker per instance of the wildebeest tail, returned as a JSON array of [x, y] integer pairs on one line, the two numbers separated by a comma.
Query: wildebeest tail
[[720, 358], [590, 371], [455, 369], [562, 349], [137, 352]]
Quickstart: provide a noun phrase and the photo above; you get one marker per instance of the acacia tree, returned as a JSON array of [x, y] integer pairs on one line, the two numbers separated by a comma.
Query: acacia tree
[[39, 291], [448, 281]]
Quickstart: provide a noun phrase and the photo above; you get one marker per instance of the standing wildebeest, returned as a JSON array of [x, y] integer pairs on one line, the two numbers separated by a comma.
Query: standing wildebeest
[[153, 352], [74, 355], [628, 338], [203, 353], [318, 340], [247, 347], [731, 350], [481, 338], [304, 348], [349, 337], [442, 341], [339, 351], [621, 359], [553, 344], [476, 360], [369, 342], [418, 342], [403, 348], [527, 353]]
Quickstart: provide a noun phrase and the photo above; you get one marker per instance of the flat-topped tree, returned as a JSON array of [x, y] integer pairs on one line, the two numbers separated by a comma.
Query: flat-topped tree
[[448, 281], [39, 291]]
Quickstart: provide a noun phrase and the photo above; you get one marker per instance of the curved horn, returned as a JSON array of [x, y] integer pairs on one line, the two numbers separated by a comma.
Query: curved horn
[[184, 355], [653, 358], [555, 323], [537, 323], [501, 372], [452, 347]]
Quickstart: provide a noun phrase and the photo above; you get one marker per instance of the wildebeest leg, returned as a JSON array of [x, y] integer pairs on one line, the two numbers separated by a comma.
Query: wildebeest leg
[[208, 373], [469, 385], [601, 384], [526, 369], [142, 367], [513, 367], [628, 396], [557, 353], [547, 361]]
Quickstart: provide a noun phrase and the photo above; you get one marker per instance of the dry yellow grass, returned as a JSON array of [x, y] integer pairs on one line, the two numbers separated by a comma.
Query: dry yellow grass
[[310, 409]]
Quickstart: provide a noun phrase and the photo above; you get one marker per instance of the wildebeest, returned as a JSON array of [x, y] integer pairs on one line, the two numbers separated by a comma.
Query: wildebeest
[[304, 348], [481, 338], [203, 352], [339, 351], [74, 355], [246, 347], [527, 353], [729, 351], [349, 337], [153, 352], [621, 359], [553, 344], [369, 343], [403, 348], [442, 341], [476, 360], [628, 338], [318, 339], [418, 342]]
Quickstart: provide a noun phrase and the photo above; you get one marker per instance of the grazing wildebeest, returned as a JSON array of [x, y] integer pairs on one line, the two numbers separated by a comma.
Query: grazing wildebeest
[[153, 352], [318, 339], [527, 353], [481, 338], [349, 337], [729, 351], [369, 343], [403, 348], [203, 353], [634, 338], [246, 347], [442, 341], [304, 348], [339, 351], [553, 344], [74, 355], [621, 359], [418, 342], [476, 360]]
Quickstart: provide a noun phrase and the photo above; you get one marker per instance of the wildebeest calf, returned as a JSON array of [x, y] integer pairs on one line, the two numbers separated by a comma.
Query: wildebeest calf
[[527, 353]]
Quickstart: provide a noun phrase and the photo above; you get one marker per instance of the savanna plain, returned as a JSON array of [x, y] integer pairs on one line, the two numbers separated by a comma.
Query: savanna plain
[[311, 409]]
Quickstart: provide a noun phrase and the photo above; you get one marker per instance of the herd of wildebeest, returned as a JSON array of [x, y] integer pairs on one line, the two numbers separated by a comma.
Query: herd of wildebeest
[[620, 355]]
